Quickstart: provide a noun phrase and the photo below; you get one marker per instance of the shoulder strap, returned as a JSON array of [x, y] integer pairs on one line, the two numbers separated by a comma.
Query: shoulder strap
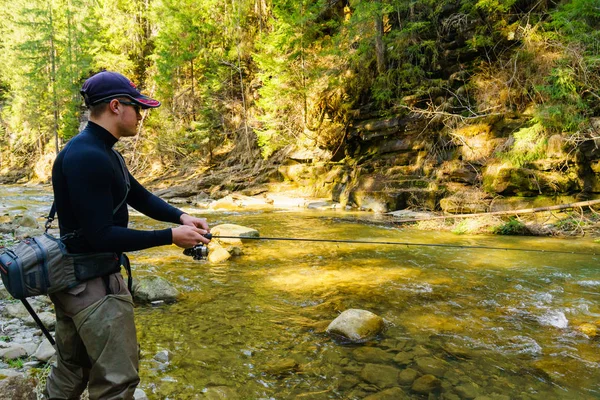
[[126, 177]]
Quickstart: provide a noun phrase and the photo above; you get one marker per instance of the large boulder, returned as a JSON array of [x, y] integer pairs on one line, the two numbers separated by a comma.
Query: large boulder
[[154, 288], [237, 201], [356, 325], [233, 230]]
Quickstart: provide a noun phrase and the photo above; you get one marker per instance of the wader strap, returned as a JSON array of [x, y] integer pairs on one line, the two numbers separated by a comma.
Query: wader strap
[[126, 177], [38, 322], [125, 263]]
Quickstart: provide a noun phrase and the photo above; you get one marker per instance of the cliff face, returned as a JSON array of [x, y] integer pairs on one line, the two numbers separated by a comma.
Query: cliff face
[[403, 162]]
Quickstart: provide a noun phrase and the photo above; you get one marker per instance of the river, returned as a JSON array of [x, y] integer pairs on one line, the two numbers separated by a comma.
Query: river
[[497, 324]]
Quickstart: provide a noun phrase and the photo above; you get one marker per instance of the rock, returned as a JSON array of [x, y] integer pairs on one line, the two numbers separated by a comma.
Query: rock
[[383, 376], [47, 318], [163, 356], [139, 394], [17, 388], [588, 329], [4, 295], [237, 201], [372, 355], [217, 253], [468, 390], [220, 393], [235, 251], [153, 288], [281, 367], [13, 352], [29, 347], [407, 376], [356, 325], [7, 373], [404, 357], [431, 366], [426, 384], [347, 382], [388, 394], [17, 310], [233, 230], [27, 221], [45, 351]]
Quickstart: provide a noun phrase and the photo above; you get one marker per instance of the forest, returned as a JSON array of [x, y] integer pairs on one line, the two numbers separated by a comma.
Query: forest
[[247, 81]]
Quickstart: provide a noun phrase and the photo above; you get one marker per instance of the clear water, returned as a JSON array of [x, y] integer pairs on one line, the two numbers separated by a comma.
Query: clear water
[[500, 324]]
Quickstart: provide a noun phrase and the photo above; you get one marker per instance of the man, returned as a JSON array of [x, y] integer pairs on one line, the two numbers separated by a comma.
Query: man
[[95, 331]]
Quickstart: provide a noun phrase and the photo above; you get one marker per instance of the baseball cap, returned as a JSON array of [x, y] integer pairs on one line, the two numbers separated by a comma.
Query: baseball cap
[[107, 85]]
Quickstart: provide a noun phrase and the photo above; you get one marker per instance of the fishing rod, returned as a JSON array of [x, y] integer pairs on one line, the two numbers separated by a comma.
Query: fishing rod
[[200, 251]]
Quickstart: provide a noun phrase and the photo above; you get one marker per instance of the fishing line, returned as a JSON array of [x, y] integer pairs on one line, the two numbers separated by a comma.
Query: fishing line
[[407, 244]]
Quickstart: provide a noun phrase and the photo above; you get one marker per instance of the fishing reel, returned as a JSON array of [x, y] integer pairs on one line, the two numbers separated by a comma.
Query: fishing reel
[[199, 251]]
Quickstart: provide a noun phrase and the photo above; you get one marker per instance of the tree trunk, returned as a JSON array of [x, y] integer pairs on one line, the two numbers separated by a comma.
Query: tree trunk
[[379, 45]]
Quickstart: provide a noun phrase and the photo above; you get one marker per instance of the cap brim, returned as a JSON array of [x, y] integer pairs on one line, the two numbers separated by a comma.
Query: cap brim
[[146, 102]]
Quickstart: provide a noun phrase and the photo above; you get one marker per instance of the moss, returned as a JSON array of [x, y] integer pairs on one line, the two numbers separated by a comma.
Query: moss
[[512, 227]]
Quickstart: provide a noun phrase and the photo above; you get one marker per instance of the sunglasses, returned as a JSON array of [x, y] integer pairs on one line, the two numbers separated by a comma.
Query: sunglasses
[[136, 106]]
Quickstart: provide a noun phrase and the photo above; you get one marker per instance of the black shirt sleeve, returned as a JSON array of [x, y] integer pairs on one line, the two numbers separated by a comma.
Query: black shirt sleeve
[[151, 205]]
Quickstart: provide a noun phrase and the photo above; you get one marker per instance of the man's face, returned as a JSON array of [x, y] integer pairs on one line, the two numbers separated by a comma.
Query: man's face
[[130, 115]]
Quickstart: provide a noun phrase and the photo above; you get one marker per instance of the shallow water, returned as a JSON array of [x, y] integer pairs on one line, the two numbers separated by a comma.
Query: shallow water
[[502, 324], [504, 320]]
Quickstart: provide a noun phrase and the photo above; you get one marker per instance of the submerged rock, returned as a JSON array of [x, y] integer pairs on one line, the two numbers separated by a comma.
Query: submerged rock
[[217, 253], [388, 394], [282, 366], [356, 325], [588, 329], [383, 376], [153, 288], [426, 384]]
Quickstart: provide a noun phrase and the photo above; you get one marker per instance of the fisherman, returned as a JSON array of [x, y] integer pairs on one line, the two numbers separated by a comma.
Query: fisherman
[[95, 331]]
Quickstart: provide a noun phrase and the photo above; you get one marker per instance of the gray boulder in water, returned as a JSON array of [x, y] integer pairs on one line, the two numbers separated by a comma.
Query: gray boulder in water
[[154, 288], [356, 326]]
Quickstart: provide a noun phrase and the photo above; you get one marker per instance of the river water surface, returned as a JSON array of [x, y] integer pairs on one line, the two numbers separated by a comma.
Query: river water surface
[[496, 324]]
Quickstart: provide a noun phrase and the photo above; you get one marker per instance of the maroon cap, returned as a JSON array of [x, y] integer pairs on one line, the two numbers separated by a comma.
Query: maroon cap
[[108, 85]]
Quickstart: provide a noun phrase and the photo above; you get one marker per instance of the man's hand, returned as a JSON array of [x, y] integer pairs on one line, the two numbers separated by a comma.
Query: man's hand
[[186, 236], [200, 223]]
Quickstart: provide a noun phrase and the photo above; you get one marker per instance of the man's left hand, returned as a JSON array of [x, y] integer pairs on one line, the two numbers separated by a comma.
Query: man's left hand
[[199, 223]]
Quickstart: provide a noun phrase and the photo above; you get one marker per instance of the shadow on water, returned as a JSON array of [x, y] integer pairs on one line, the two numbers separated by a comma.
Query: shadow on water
[[491, 323], [494, 323]]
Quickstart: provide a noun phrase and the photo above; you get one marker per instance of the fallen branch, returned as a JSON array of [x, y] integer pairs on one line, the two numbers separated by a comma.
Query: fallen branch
[[508, 212]]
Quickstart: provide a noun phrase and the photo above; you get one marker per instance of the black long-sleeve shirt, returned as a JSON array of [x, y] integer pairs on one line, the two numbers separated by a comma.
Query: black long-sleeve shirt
[[88, 183]]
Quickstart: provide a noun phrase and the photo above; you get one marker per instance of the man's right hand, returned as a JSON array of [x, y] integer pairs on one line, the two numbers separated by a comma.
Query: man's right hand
[[186, 236]]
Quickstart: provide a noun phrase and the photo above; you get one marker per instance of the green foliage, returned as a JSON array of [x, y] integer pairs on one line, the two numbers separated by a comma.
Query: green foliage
[[512, 227], [529, 144], [16, 363], [272, 74]]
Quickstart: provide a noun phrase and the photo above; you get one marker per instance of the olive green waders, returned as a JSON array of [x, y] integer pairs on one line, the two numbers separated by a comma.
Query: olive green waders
[[96, 342]]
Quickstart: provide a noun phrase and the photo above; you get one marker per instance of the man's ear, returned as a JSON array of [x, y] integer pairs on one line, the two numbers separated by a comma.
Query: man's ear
[[113, 106]]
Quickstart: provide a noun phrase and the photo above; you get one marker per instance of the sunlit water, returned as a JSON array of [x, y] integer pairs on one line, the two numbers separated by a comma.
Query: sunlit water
[[501, 324]]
